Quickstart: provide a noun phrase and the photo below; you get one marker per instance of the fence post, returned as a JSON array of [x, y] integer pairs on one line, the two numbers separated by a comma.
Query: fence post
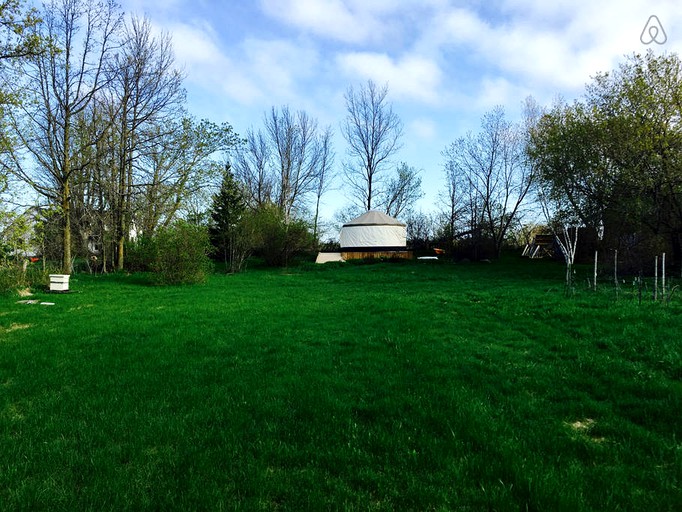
[[596, 255], [663, 276]]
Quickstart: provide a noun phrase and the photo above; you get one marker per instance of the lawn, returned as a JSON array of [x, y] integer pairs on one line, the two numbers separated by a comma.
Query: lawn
[[405, 386]]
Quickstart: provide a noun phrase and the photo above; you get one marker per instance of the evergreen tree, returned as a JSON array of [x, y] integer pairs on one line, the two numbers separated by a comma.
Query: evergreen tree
[[227, 210]]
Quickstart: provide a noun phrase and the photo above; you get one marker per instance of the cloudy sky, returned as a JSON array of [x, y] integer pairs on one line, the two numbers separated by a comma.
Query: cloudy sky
[[446, 62]]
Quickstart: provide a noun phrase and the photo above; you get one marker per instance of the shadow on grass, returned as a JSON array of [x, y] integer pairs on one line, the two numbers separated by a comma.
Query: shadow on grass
[[135, 278]]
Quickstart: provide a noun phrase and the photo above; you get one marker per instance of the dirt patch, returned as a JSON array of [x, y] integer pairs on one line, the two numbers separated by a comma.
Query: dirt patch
[[18, 327], [582, 425], [15, 327]]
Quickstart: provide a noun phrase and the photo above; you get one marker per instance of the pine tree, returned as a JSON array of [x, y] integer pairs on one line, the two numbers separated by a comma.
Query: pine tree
[[227, 210]]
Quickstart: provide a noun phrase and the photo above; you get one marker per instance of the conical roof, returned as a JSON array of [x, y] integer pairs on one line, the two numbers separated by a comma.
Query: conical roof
[[374, 218]]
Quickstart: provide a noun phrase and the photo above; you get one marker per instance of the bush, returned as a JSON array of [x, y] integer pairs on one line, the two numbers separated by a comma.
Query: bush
[[140, 254], [179, 254], [275, 239], [13, 276]]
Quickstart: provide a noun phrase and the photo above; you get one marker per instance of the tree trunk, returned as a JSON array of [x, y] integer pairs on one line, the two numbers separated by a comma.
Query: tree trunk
[[369, 194], [66, 234], [316, 222], [120, 253], [122, 189]]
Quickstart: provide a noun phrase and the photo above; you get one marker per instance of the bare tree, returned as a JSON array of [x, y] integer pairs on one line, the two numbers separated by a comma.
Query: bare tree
[[453, 204], [373, 133], [287, 163], [402, 190], [63, 82], [496, 174], [293, 139], [564, 224], [419, 229], [251, 167], [325, 174]]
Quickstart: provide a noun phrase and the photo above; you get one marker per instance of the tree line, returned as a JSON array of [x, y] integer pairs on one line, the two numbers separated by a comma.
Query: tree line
[[607, 164], [94, 120]]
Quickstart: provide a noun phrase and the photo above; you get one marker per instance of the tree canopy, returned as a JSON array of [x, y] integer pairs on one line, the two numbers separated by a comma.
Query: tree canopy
[[615, 156]]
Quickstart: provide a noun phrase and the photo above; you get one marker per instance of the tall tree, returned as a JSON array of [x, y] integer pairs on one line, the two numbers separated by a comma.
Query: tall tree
[[496, 174], [227, 209], [294, 146], [284, 163], [90, 212], [181, 158], [638, 108], [566, 143], [251, 165], [146, 90], [452, 201], [325, 175], [372, 131], [62, 83], [18, 42]]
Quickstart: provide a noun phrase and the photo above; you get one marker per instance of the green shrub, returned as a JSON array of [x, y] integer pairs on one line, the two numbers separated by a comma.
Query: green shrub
[[141, 254], [38, 277], [275, 239], [13, 276], [180, 254]]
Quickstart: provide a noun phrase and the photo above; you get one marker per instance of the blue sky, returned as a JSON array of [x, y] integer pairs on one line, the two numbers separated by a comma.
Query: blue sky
[[446, 62]]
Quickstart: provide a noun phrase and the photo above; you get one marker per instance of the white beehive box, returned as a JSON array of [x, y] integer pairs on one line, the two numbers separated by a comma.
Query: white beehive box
[[59, 282]]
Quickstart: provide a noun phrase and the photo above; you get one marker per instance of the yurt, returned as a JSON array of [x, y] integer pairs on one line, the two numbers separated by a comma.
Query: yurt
[[374, 235]]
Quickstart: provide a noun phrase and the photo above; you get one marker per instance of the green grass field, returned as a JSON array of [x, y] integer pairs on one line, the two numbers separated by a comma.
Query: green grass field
[[412, 386]]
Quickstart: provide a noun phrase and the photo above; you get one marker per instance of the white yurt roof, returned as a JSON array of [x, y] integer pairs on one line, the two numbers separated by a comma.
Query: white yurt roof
[[374, 218], [374, 230]]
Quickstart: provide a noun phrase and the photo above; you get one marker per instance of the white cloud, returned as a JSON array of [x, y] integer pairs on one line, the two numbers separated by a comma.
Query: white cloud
[[548, 45], [279, 66], [462, 26], [495, 91], [265, 71], [333, 19], [350, 21], [411, 77], [197, 49]]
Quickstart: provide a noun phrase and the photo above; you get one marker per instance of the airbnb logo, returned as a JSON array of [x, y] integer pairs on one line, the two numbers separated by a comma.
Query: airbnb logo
[[653, 31]]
